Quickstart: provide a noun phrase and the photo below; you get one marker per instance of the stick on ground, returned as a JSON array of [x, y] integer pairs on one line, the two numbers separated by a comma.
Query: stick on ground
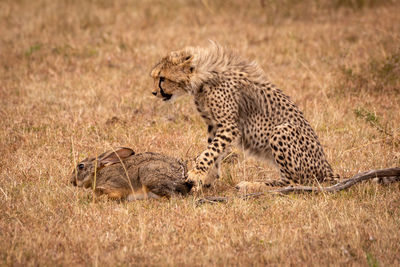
[[390, 173]]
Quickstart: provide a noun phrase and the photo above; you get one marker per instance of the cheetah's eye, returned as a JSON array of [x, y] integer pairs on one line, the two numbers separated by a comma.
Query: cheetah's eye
[[162, 79]]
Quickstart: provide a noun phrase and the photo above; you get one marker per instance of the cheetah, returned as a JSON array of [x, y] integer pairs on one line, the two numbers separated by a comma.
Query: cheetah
[[241, 107]]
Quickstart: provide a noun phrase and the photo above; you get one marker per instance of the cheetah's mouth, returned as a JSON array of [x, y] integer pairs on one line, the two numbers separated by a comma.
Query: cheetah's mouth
[[164, 95]]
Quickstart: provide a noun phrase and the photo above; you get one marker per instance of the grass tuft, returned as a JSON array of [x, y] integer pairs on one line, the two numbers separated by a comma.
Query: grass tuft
[[376, 76], [32, 49]]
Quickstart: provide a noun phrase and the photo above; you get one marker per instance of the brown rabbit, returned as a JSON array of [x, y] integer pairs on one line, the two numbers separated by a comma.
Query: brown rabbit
[[122, 174]]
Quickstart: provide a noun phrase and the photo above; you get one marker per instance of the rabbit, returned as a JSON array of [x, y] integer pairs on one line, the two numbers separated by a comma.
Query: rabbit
[[122, 174]]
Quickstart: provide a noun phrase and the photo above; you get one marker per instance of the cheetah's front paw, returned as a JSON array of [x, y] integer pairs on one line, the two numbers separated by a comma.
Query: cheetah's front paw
[[198, 178]]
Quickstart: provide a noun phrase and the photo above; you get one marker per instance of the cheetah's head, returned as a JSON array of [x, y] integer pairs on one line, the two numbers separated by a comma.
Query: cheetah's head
[[172, 75]]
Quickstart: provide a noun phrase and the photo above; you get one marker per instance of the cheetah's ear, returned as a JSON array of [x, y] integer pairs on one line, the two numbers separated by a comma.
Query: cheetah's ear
[[187, 58], [187, 66], [187, 63], [180, 57]]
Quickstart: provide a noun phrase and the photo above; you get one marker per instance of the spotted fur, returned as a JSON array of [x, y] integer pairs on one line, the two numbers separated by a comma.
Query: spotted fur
[[240, 106]]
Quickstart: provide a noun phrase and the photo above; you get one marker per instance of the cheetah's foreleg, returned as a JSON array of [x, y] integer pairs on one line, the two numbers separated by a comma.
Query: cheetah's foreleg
[[208, 161]]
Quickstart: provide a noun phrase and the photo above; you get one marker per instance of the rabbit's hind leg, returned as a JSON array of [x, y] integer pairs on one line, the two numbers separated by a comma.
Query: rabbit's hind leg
[[113, 193], [141, 194]]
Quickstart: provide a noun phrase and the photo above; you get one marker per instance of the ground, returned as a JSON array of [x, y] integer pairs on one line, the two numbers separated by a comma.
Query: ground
[[74, 81]]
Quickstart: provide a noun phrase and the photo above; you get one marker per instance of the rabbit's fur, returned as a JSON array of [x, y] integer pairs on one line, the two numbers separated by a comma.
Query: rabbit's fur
[[122, 174]]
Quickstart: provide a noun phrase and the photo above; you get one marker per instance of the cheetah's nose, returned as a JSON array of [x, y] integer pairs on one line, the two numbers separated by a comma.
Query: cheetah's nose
[[154, 93]]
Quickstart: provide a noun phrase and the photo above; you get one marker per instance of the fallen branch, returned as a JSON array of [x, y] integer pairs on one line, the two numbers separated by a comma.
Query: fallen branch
[[216, 199], [391, 173]]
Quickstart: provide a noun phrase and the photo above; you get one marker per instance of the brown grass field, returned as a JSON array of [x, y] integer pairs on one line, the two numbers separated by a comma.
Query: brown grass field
[[74, 81]]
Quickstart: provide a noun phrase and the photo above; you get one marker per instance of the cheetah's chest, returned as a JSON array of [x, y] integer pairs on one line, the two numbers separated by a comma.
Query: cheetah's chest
[[204, 110]]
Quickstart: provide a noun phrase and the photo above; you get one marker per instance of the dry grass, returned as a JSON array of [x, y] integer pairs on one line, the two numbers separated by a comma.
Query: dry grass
[[74, 81]]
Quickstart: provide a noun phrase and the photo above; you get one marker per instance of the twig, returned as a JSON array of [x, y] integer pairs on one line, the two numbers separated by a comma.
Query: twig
[[363, 176], [364, 145], [216, 199]]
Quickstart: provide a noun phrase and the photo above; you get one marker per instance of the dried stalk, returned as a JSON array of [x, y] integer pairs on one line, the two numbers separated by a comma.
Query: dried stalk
[[392, 173]]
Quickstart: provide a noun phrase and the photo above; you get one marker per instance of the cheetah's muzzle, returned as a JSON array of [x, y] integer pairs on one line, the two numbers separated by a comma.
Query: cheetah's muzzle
[[165, 96]]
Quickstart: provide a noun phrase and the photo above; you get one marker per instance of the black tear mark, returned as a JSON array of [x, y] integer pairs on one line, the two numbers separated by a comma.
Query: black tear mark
[[163, 93]]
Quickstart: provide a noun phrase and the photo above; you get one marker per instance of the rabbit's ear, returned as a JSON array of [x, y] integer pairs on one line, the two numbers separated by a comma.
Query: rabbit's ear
[[115, 156]]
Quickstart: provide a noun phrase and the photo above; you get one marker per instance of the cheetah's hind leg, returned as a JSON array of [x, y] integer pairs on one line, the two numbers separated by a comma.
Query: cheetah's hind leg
[[254, 187], [251, 187]]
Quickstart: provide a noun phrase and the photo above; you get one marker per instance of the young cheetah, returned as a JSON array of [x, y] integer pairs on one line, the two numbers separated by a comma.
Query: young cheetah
[[240, 106]]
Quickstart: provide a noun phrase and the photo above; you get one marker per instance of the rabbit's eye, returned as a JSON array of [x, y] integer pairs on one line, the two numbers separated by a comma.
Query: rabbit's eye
[[81, 166]]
